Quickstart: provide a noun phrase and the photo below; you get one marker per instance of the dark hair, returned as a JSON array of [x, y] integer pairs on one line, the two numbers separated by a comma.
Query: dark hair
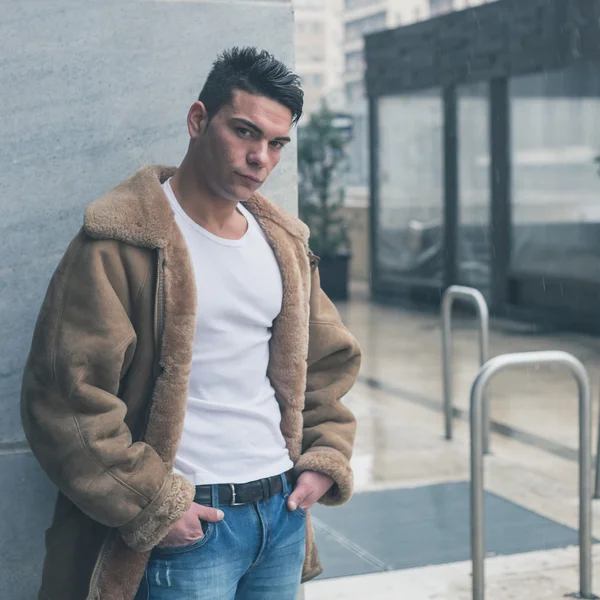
[[254, 71]]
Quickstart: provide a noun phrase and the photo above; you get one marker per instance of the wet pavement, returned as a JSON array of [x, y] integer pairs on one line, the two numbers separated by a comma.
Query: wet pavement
[[401, 453]]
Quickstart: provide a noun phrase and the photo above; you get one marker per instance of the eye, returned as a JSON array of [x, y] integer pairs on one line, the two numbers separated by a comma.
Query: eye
[[244, 132], [277, 145]]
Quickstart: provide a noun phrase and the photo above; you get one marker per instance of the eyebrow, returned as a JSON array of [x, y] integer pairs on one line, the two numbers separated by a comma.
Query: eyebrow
[[259, 131]]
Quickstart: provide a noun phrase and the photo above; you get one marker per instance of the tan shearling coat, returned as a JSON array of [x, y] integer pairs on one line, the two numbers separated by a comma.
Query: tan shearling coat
[[105, 386]]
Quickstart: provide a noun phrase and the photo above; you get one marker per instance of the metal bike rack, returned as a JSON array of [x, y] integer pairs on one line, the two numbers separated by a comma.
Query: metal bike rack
[[472, 295], [492, 367]]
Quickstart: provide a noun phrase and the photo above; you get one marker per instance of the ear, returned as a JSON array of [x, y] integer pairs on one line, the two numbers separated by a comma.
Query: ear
[[197, 119]]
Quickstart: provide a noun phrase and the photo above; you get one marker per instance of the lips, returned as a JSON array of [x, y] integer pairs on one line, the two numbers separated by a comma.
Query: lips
[[250, 178]]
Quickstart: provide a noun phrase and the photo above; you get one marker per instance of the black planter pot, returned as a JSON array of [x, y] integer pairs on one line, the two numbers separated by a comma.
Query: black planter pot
[[334, 271]]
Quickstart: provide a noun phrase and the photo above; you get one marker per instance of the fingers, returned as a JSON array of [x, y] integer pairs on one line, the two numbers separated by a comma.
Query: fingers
[[310, 487], [208, 513], [299, 497]]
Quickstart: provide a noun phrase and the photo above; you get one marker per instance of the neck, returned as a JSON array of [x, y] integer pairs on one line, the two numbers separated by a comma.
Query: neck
[[199, 203]]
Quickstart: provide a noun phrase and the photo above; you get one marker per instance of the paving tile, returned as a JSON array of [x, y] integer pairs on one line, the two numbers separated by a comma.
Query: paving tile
[[429, 525], [338, 561]]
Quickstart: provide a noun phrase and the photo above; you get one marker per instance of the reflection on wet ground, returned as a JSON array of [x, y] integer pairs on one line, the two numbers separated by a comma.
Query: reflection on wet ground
[[501, 428]]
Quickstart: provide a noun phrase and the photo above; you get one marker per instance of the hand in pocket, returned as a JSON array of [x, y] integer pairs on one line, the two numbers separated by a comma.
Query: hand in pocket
[[189, 529]]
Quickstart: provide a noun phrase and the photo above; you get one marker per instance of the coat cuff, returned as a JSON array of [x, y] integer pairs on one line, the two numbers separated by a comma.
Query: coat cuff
[[146, 530], [333, 463]]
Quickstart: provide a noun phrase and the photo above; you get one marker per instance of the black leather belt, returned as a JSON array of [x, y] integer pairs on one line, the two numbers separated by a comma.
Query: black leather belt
[[236, 494]]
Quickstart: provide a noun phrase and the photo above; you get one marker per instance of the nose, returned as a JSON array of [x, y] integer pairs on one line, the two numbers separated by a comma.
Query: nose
[[259, 155]]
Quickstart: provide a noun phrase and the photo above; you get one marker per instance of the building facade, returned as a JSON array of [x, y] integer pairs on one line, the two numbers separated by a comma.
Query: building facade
[[361, 18], [317, 44]]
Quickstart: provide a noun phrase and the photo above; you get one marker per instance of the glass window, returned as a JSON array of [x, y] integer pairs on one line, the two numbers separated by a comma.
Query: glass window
[[355, 93], [357, 150], [474, 244], [352, 4], [355, 61], [440, 6], [308, 4], [361, 27], [555, 141], [411, 210]]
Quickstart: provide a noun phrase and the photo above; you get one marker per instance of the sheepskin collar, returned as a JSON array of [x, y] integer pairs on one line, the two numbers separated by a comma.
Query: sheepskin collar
[[137, 212]]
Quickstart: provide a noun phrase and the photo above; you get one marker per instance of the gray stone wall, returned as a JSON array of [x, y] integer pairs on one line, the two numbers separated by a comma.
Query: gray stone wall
[[90, 92]]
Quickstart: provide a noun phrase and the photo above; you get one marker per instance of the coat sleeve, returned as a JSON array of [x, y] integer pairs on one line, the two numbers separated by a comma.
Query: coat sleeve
[[329, 426], [71, 413]]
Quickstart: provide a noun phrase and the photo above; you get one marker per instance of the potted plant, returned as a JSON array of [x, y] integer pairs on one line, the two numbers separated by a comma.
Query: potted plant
[[321, 159]]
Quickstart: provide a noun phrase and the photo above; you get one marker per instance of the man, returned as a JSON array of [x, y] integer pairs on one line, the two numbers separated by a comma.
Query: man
[[184, 381]]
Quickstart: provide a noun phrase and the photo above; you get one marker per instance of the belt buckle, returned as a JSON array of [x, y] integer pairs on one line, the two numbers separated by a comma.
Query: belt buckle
[[233, 496]]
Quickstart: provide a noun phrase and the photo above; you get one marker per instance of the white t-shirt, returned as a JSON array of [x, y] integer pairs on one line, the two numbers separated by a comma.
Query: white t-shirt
[[231, 431]]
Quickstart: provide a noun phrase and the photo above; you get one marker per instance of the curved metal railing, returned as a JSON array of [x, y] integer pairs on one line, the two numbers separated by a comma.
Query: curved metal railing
[[472, 295], [491, 368]]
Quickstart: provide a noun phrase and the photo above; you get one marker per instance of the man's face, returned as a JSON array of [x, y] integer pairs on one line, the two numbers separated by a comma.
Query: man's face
[[236, 152]]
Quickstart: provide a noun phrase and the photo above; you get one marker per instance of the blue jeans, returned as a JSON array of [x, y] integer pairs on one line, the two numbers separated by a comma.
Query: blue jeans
[[255, 553]]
